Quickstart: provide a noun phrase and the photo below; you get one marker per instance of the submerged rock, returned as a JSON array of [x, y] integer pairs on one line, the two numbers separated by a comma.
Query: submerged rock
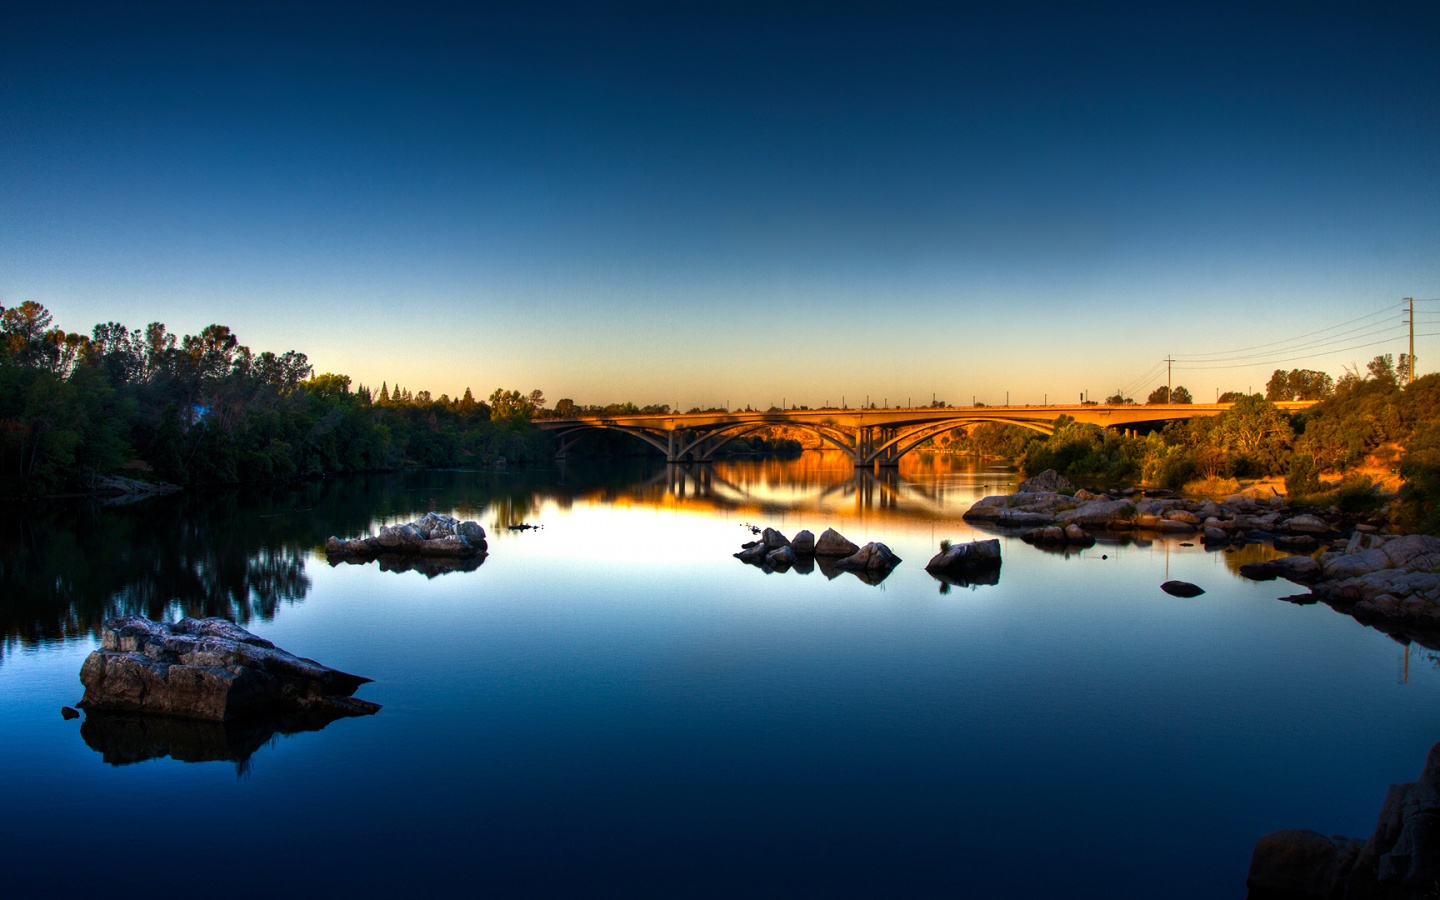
[[209, 669], [1182, 589]]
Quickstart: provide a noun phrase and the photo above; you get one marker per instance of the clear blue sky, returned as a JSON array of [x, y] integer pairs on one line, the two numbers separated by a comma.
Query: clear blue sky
[[733, 202]]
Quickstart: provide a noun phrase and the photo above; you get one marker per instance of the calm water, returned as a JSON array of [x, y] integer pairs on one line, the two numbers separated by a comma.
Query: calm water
[[612, 705]]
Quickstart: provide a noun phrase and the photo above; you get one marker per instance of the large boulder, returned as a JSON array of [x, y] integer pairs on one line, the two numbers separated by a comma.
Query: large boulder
[[959, 559], [873, 557], [208, 669], [833, 543], [803, 543], [773, 540], [1048, 481], [1400, 860], [781, 558], [1306, 524], [1101, 514], [1299, 569]]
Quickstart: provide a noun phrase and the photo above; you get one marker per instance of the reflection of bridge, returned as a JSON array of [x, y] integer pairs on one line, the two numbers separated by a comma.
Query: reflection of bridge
[[868, 436]]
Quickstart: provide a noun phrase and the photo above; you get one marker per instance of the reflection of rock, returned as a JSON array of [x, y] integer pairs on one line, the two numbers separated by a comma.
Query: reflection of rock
[[432, 534], [965, 561], [833, 543], [1400, 861], [429, 566], [125, 738], [967, 579], [870, 576], [208, 669]]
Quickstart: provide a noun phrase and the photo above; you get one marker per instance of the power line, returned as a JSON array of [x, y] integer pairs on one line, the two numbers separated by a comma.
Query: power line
[[1306, 356], [1369, 331], [1199, 357]]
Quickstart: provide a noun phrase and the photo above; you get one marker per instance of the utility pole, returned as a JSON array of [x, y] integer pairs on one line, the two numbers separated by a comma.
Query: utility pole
[[1168, 361], [1410, 360]]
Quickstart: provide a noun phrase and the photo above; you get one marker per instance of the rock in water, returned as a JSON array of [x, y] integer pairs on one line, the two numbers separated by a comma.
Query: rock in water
[[208, 669], [1181, 589], [432, 534], [833, 543], [803, 543], [774, 540], [873, 557], [969, 557]]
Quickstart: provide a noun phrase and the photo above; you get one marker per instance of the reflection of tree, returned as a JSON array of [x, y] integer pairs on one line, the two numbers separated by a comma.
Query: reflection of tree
[[67, 566]]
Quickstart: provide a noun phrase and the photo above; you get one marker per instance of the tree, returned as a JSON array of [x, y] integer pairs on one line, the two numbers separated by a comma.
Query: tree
[[1118, 399], [1229, 397], [1164, 394], [1254, 435], [1382, 369], [1406, 367], [1278, 387]]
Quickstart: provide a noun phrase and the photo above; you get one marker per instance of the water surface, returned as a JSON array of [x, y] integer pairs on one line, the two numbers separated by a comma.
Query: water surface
[[612, 704]]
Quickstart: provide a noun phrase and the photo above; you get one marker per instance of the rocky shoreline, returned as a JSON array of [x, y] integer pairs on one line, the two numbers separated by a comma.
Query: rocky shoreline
[[1399, 861], [1391, 582]]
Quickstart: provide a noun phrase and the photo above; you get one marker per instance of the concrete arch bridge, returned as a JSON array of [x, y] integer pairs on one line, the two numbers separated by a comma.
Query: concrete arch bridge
[[871, 437]]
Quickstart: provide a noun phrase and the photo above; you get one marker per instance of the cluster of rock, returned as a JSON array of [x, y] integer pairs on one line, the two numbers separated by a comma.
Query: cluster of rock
[[1067, 518], [433, 534], [209, 669], [976, 562], [832, 551], [1389, 581], [1400, 861]]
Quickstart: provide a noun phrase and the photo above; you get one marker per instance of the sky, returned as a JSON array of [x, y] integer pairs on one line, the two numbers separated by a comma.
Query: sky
[[736, 204]]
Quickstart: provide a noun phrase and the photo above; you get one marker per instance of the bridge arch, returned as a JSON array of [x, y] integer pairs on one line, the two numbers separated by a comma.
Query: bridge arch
[[906, 441]]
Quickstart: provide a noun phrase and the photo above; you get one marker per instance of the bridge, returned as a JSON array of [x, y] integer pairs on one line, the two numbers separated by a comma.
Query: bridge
[[871, 437]]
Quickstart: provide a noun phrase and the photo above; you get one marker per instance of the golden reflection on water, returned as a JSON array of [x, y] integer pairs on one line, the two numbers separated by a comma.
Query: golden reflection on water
[[924, 487]]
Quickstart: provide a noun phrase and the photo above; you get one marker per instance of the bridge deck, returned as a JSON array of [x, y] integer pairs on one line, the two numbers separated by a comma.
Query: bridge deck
[[1107, 416]]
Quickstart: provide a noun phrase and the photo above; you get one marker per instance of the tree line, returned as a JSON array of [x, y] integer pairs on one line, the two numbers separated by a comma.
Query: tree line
[[1375, 419], [205, 409]]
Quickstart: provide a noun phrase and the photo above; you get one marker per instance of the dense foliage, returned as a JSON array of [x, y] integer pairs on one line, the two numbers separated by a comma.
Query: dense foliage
[[205, 409], [1360, 420]]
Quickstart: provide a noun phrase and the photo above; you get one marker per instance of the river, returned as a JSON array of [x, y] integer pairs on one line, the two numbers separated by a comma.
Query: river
[[613, 705]]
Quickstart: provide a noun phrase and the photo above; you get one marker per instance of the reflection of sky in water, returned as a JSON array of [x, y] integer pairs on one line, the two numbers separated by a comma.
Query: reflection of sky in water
[[614, 703]]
